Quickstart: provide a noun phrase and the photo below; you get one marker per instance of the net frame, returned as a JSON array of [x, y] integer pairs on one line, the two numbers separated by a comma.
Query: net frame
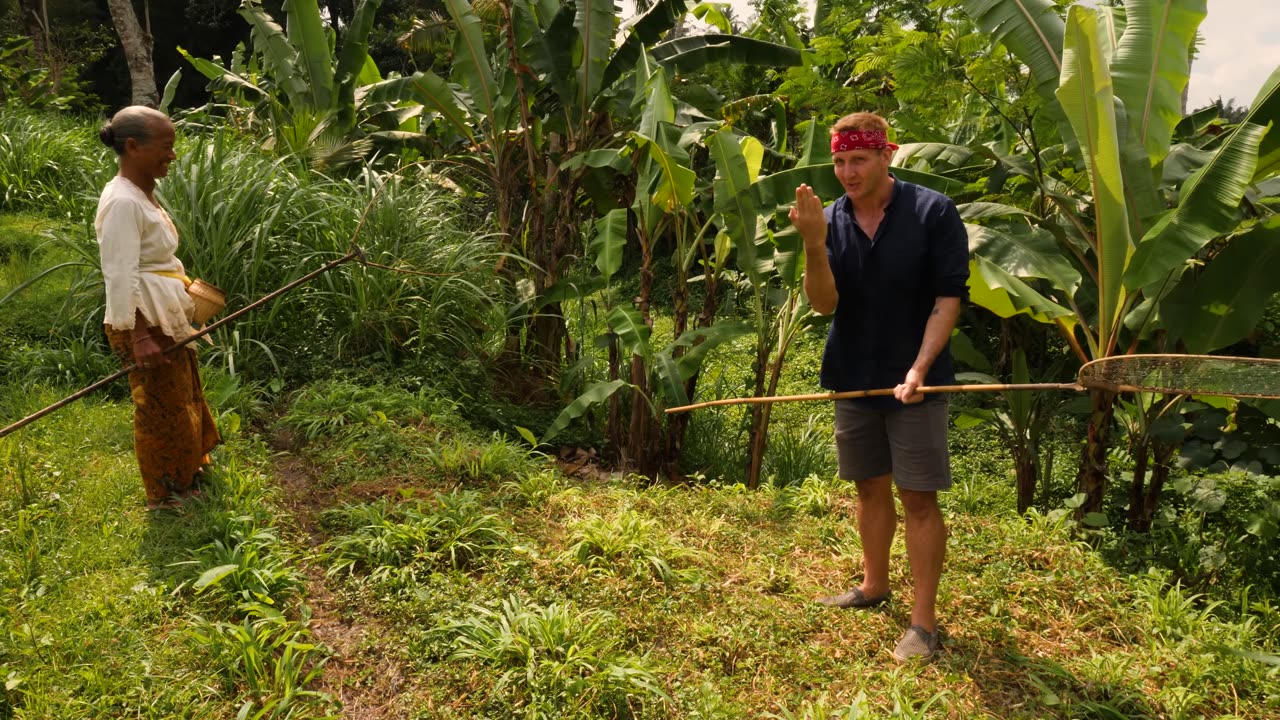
[[1176, 374]]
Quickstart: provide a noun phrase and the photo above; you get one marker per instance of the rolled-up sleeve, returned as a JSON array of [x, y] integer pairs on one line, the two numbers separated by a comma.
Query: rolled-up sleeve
[[949, 253], [120, 246]]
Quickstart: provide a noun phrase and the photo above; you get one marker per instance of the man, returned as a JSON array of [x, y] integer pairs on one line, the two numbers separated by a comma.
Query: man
[[890, 259]]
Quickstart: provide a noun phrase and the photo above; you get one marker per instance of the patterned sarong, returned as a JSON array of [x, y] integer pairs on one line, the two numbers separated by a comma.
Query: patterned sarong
[[173, 430]]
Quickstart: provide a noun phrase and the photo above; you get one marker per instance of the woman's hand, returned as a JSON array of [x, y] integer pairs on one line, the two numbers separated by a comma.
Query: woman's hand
[[147, 353]]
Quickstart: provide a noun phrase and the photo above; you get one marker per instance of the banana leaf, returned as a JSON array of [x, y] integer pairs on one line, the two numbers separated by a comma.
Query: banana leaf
[[1266, 110], [1209, 207], [1024, 251], [353, 62], [609, 241], [1225, 302], [279, 57], [309, 37], [631, 329], [733, 199], [694, 52], [1032, 30], [223, 77], [597, 393], [1151, 67], [660, 17], [1089, 104], [471, 67], [1005, 295], [596, 25]]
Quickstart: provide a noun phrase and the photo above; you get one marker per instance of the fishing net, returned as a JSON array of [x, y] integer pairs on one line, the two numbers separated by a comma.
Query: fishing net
[[1213, 375]]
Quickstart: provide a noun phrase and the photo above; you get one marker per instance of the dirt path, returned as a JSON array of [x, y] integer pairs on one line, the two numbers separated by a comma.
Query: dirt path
[[364, 675]]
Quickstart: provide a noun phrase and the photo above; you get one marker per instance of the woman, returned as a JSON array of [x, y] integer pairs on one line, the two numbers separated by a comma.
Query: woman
[[148, 310]]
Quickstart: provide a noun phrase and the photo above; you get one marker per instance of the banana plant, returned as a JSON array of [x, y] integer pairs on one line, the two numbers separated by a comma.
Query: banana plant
[[307, 88], [1114, 77]]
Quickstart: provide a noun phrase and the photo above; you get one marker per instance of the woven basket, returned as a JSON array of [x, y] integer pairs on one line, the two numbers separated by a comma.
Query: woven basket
[[209, 300]]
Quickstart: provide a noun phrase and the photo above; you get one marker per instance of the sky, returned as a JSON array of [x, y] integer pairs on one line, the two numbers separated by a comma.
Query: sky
[[1241, 49]]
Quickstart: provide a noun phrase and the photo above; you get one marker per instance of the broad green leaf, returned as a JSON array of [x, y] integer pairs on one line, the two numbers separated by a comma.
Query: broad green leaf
[[1024, 251], [1151, 66], [630, 327], [701, 341], [778, 190], [223, 77], [1111, 24], [471, 67], [547, 45], [596, 24], [279, 57], [693, 52], [1031, 29], [213, 575], [311, 40], [788, 257], [985, 210], [660, 17], [597, 393], [610, 239], [1005, 295], [1194, 124], [528, 435], [753, 154], [964, 351], [675, 181], [170, 88], [733, 200], [354, 61], [432, 92], [932, 155], [659, 106], [712, 14], [599, 158], [1225, 302], [1266, 110], [944, 185], [1087, 100], [669, 385], [723, 244], [1209, 206], [816, 144]]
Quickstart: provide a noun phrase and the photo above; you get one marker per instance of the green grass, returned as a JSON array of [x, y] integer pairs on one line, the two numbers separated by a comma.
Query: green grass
[[523, 593]]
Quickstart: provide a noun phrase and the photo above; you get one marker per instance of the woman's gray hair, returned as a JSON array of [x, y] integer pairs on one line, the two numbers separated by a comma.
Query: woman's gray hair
[[134, 122]]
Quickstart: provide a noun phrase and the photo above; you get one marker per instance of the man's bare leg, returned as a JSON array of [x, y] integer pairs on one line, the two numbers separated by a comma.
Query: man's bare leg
[[877, 521], [926, 547]]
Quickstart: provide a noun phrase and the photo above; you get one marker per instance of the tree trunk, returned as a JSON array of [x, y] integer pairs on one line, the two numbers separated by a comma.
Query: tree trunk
[[640, 448], [759, 419], [1137, 488], [1092, 478], [1163, 456], [137, 52], [1026, 467]]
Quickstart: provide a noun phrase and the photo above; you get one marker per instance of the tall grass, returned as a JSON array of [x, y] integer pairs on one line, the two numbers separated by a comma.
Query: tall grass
[[249, 223]]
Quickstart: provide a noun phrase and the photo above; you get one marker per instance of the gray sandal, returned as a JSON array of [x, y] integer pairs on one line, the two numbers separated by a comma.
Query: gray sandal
[[854, 599]]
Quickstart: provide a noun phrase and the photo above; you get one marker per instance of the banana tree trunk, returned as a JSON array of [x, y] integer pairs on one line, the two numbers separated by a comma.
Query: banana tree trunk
[[640, 448], [137, 45], [1026, 465], [1163, 456], [1141, 452], [1092, 478]]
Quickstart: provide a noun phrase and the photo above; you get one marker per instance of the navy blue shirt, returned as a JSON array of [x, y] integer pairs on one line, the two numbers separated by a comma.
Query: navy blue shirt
[[888, 286]]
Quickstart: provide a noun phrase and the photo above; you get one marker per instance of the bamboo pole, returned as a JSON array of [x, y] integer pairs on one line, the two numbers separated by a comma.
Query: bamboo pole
[[355, 253], [883, 392]]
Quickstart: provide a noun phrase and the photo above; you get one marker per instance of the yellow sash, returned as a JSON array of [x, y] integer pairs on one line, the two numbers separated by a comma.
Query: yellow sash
[[186, 281]]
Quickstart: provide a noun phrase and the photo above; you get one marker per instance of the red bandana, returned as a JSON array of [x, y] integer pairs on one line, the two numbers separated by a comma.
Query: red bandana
[[860, 140]]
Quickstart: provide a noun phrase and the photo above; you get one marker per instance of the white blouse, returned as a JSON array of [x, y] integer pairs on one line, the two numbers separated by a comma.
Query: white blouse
[[136, 239]]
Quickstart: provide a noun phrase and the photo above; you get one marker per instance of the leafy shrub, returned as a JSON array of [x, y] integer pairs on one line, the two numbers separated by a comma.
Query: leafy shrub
[[554, 661], [399, 542], [463, 458], [631, 545], [794, 454], [336, 407], [271, 658], [811, 496]]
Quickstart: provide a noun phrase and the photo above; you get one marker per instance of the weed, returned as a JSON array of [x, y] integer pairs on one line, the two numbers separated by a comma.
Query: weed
[[270, 657], [554, 661], [532, 488], [631, 545], [811, 496], [400, 542], [797, 453], [461, 458]]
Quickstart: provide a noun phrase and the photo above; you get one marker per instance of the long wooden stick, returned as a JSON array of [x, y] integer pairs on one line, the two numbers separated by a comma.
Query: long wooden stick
[[877, 393], [355, 253]]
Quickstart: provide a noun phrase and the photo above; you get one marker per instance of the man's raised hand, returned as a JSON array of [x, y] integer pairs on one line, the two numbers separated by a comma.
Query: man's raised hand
[[807, 216]]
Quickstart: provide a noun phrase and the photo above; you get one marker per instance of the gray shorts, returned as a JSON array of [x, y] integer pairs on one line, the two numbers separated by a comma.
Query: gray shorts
[[909, 442]]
